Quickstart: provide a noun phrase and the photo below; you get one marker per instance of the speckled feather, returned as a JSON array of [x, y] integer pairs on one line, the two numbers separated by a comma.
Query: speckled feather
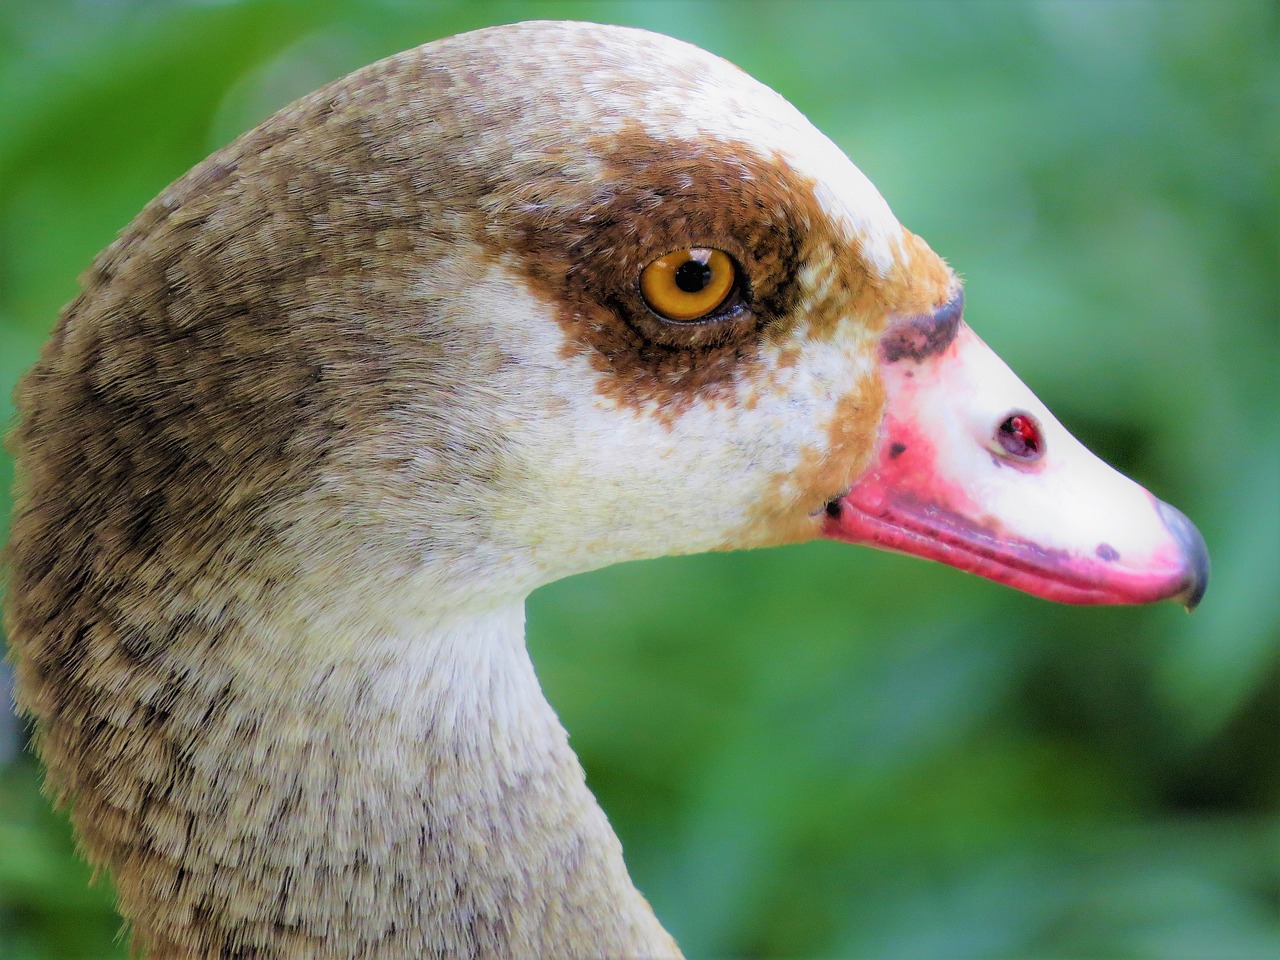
[[329, 408]]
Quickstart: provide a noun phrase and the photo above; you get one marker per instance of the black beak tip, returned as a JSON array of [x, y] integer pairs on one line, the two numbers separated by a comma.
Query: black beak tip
[[1193, 549]]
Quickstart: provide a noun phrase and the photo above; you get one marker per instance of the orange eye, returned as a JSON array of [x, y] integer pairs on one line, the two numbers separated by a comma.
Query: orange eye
[[688, 284]]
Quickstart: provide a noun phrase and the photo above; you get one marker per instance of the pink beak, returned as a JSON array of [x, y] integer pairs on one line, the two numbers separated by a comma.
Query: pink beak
[[972, 470]]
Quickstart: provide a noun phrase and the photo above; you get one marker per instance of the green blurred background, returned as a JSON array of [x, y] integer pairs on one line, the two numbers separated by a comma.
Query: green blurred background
[[825, 751]]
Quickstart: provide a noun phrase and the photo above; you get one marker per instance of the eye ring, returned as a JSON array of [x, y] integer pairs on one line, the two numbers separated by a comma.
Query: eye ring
[[690, 284]]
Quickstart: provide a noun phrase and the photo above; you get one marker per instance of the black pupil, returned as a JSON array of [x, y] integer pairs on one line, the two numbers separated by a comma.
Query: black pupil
[[692, 276]]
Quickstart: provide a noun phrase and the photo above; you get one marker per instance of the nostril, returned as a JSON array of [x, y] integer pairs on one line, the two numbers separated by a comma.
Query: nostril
[[1020, 437]]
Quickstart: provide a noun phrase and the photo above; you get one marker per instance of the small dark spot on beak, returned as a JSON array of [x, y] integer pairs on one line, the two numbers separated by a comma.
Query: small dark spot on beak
[[1107, 552], [897, 450]]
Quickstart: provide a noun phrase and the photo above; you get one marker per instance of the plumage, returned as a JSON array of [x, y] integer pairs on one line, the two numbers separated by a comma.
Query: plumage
[[340, 397]]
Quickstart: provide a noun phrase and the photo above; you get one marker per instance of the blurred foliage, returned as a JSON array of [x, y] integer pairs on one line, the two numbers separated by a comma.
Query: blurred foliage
[[822, 750]]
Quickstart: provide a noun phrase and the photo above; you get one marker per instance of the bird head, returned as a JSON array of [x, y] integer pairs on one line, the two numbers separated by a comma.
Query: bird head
[[703, 328], [545, 297]]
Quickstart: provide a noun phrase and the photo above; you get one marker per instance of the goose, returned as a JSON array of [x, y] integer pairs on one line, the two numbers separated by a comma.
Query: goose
[[512, 305]]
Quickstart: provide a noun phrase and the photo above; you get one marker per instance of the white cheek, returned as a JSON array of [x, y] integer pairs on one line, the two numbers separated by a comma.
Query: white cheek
[[592, 481], [650, 486]]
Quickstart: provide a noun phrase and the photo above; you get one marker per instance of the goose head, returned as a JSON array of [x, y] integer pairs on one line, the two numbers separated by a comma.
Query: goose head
[[510, 306], [505, 223]]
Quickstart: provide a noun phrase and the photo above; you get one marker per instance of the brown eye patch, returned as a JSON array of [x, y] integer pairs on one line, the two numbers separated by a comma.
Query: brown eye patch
[[654, 197]]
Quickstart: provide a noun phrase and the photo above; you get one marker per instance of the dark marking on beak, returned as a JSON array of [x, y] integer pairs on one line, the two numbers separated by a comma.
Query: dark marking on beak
[[1194, 550], [915, 338]]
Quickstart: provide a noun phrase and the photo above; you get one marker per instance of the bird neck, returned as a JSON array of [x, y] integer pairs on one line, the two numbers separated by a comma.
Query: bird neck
[[395, 795]]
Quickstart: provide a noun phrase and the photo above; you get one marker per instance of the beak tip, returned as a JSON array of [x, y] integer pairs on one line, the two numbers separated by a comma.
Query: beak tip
[[1194, 551]]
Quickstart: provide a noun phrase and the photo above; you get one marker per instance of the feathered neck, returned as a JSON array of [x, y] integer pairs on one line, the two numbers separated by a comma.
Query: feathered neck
[[387, 795]]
